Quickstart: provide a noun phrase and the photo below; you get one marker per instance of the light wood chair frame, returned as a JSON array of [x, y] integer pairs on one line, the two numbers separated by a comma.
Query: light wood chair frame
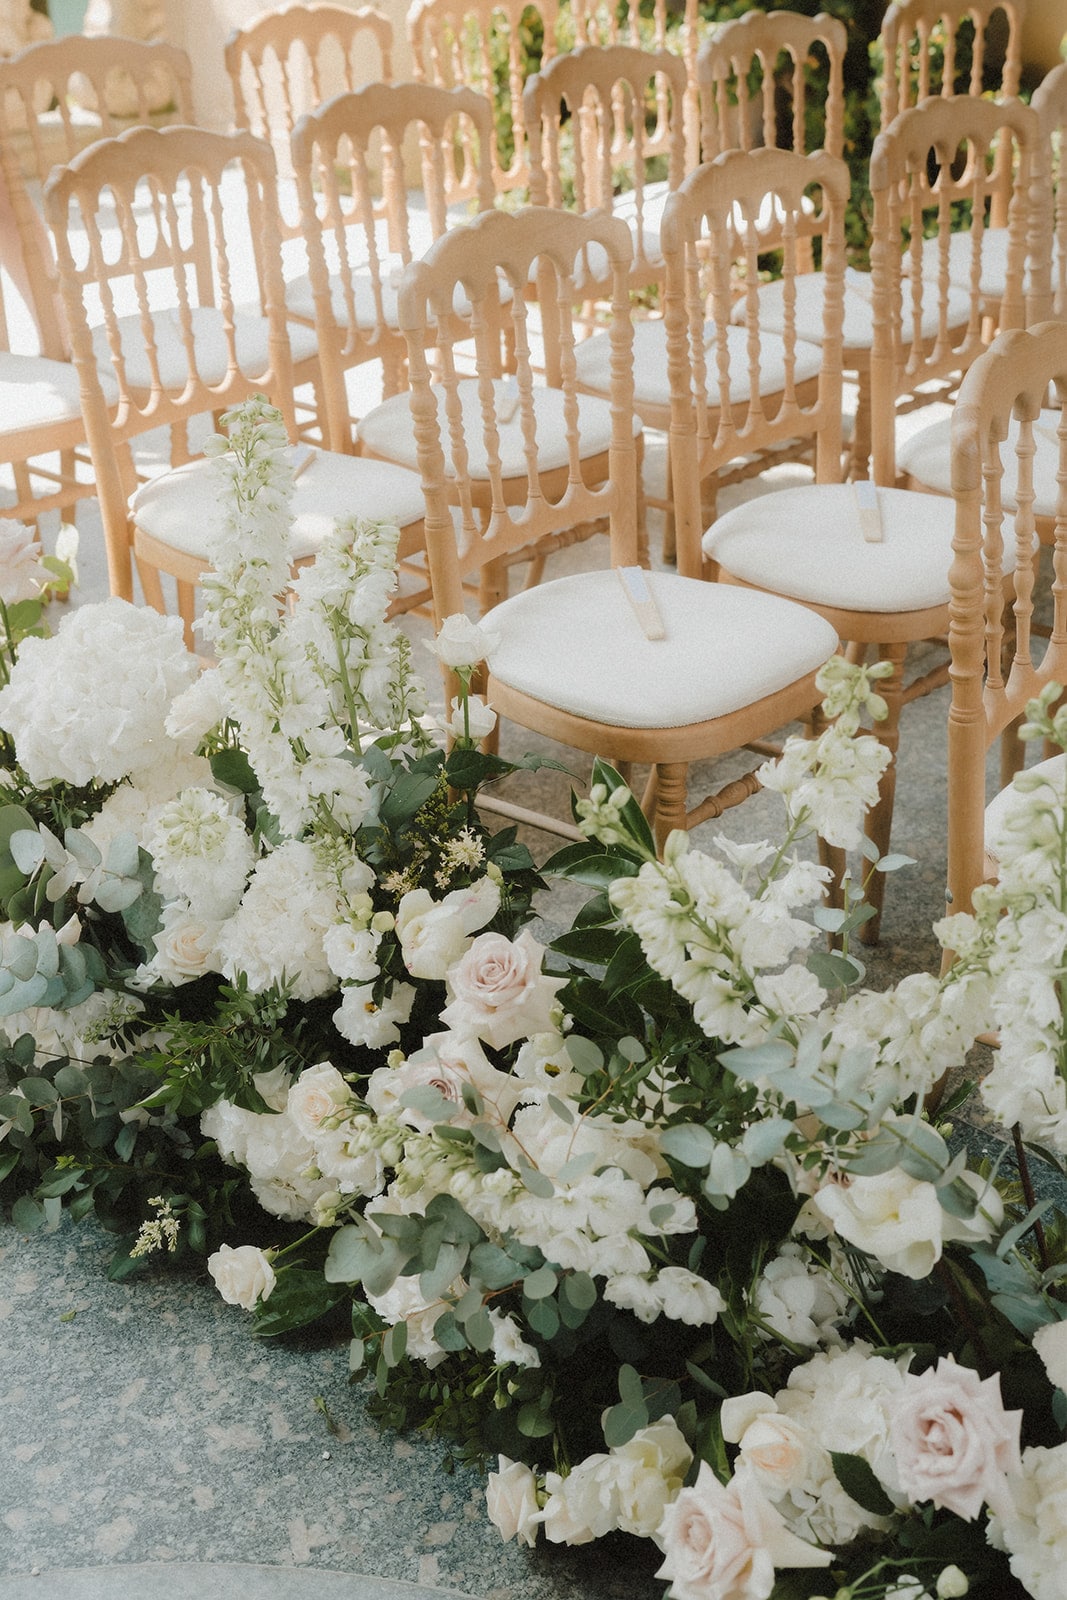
[[452, 43], [511, 243], [701, 247], [331, 159], [1047, 284], [906, 37], [903, 198], [1010, 381], [601, 88], [306, 54], [117, 168]]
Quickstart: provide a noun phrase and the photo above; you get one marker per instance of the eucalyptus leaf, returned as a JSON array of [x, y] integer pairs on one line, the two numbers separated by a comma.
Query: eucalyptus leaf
[[27, 850], [538, 1285], [621, 1422], [688, 1142]]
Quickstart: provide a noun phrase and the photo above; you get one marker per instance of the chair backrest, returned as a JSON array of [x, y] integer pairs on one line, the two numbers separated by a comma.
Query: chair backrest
[[587, 119], [60, 95], [754, 75], [289, 61], [153, 233], [469, 526], [993, 425], [1047, 290], [912, 32], [349, 165], [935, 160], [709, 231], [487, 45]]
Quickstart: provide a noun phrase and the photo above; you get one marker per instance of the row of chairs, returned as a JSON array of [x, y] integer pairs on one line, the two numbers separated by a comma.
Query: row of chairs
[[721, 426]]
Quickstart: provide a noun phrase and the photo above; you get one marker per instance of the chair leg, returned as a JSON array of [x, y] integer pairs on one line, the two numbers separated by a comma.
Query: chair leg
[[670, 794], [880, 820], [187, 612]]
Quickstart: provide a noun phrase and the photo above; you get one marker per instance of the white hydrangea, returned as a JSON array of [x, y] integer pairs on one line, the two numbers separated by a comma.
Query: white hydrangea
[[800, 1299], [202, 852], [277, 933], [89, 704], [1032, 1528], [280, 1160]]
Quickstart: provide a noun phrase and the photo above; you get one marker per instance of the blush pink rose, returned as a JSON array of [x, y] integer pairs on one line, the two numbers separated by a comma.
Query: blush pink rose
[[953, 1441], [724, 1541], [499, 992]]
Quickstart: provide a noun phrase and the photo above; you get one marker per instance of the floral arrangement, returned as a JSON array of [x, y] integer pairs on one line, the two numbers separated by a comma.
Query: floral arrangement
[[655, 1217]]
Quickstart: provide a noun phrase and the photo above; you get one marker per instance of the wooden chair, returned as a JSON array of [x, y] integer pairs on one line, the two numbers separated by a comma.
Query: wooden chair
[[355, 262], [586, 117], [575, 661], [773, 53], [292, 60], [154, 228], [995, 574], [910, 32], [875, 561], [963, 138], [598, 22], [60, 95], [460, 42], [1047, 286]]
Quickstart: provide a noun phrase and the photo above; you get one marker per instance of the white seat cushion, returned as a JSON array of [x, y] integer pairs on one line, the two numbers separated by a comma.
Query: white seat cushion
[[300, 302], [250, 330], [858, 327], [960, 251], [806, 542], [386, 431], [927, 458], [575, 643], [593, 361], [36, 392], [999, 809], [183, 508]]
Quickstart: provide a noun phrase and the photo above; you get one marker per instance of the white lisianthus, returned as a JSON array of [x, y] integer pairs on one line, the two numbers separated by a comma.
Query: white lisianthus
[[243, 1275], [434, 934], [202, 852], [477, 722], [499, 992], [511, 1501], [892, 1216], [681, 1296], [362, 1020], [1050, 1342], [462, 643], [88, 704], [352, 952], [509, 1347]]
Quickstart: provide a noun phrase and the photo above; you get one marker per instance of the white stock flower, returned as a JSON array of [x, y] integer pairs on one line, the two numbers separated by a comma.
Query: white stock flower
[[677, 1293], [89, 703], [242, 1275]]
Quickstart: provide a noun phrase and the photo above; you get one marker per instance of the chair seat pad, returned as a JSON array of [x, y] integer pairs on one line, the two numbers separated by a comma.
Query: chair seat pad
[[651, 383], [184, 509], [1001, 807], [927, 458], [807, 543], [36, 392], [576, 644], [858, 325], [386, 431], [250, 330], [994, 276]]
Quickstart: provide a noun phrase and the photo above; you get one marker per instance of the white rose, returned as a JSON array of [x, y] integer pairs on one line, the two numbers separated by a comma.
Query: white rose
[[499, 992], [318, 1093], [582, 1506], [1050, 1342], [511, 1501], [479, 721], [893, 1217], [649, 1472], [243, 1276], [780, 1452], [433, 934], [185, 946], [463, 643]]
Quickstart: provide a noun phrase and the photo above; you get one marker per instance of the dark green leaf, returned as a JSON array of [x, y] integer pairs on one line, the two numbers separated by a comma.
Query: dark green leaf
[[298, 1297], [857, 1478]]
